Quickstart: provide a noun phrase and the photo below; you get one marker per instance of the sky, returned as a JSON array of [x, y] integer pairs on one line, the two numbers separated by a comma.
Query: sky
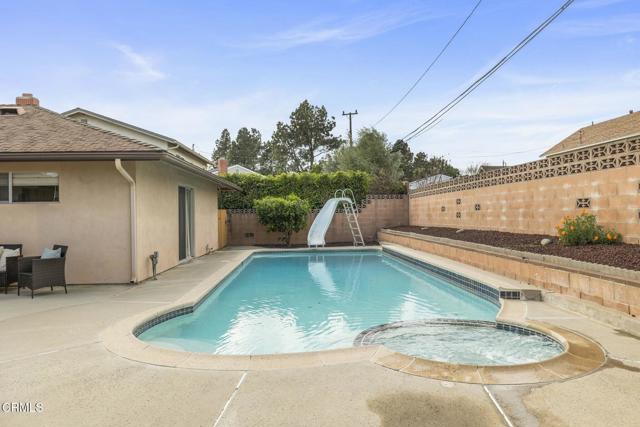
[[189, 69]]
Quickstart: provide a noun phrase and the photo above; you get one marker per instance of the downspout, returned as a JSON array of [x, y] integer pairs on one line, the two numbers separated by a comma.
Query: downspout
[[134, 242]]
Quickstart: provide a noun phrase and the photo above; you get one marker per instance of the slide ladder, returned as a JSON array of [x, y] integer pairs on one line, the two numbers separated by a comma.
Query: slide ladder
[[351, 212], [320, 225]]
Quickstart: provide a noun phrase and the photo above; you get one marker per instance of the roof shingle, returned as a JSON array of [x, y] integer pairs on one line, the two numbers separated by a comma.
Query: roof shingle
[[622, 126], [39, 130]]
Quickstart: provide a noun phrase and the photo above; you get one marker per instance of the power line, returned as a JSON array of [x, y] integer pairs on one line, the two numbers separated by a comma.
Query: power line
[[413, 86], [508, 153], [431, 121]]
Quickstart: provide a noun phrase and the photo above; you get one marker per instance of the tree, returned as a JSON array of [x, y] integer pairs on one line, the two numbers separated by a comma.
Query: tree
[[306, 137], [371, 154], [402, 147], [424, 166], [273, 158], [223, 145], [275, 155], [246, 148], [473, 169], [286, 215]]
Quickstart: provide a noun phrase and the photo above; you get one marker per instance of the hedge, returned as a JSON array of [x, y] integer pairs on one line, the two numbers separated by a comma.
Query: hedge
[[315, 188]]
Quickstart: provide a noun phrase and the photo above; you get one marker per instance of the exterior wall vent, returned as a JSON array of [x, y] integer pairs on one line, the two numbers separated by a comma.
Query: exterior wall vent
[[583, 203], [8, 111]]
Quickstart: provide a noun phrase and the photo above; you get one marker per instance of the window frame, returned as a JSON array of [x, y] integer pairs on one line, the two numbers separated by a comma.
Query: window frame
[[10, 185]]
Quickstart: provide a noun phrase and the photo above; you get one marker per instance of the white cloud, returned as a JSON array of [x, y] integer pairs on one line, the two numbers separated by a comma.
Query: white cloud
[[142, 66], [517, 124], [358, 28], [594, 4], [524, 79], [632, 77], [200, 123], [605, 26]]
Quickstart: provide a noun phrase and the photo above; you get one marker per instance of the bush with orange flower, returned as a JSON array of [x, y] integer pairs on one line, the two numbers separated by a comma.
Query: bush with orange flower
[[583, 229]]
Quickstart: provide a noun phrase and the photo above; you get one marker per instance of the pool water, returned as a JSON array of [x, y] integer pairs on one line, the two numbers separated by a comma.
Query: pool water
[[304, 301], [467, 344]]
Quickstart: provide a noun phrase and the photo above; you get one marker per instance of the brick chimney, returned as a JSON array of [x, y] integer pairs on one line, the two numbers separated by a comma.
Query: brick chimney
[[27, 99], [223, 165]]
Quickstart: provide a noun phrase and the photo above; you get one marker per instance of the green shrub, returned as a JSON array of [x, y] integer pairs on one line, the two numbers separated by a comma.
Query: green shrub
[[285, 215], [583, 229], [315, 188]]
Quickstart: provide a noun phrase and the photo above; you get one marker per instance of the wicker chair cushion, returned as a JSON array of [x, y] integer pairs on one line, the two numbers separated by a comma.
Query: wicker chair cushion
[[6, 253], [51, 253]]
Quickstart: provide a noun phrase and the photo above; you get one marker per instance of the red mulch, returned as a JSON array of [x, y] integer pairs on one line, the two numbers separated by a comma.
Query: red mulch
[[618, 255]]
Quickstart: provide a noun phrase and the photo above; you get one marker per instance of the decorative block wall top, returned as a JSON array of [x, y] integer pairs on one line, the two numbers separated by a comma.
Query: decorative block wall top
[[613, 154]]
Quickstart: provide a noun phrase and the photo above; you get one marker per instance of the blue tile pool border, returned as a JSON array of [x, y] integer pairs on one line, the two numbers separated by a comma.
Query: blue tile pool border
[[479, 289]]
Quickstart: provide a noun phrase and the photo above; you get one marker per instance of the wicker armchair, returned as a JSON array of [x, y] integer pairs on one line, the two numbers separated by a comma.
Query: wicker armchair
[[11, 274], [35, 273]]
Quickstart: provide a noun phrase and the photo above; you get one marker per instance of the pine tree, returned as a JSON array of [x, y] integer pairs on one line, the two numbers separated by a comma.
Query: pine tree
[[223, 145], [245, 149]]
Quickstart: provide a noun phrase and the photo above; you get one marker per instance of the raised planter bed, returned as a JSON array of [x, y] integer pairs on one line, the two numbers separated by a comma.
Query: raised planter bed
[[613, 287], [620, 255]]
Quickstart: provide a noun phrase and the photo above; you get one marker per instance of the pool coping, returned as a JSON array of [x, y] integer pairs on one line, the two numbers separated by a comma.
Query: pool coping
[[581, 355]]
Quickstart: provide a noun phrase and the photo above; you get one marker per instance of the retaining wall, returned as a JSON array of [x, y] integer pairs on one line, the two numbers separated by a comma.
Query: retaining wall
[[611, 287]]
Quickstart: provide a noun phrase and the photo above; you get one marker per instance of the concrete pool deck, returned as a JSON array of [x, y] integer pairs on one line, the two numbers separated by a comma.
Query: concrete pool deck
[[52, 352]]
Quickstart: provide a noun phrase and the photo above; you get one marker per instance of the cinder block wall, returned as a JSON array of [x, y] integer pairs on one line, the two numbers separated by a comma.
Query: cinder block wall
[[537, 206], [379, 211]]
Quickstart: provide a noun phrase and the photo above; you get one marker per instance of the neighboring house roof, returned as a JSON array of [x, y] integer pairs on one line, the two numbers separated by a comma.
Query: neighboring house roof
[[620, 127], [32, 133], [433, 179], [486, 168], [81, 111], [238, 169]]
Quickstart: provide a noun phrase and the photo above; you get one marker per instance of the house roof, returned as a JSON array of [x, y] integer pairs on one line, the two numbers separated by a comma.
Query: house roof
[[38, 130], [619, 127], [238, 169], [33, 133], [486, 168], [78, 110]]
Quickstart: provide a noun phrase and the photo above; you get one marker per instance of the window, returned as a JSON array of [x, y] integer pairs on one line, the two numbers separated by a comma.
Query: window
[[29, 187], [4, 187]]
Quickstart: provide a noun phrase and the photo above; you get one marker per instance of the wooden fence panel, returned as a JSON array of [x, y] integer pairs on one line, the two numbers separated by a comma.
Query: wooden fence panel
[[223, 229]]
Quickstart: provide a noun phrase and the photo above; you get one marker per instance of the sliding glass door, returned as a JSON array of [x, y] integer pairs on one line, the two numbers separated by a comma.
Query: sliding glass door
[[185, 223]]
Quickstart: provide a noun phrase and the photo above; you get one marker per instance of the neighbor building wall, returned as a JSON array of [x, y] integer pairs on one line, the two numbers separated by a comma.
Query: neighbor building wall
[[378, 211], [537, 206], [92, 218], [157, 186]]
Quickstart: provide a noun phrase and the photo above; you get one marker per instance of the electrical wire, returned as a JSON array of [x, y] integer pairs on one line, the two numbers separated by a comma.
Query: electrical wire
[[413, 86], [431, 121]]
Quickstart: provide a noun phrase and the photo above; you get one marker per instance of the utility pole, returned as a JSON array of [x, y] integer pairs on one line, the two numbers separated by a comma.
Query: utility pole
[[350, 126]]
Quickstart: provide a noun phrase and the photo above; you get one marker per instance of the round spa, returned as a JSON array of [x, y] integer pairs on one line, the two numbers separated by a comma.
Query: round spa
[[464, 342]]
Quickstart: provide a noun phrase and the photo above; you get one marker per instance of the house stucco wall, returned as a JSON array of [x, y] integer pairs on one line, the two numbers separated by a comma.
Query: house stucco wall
[[92, 218], [157, 224]]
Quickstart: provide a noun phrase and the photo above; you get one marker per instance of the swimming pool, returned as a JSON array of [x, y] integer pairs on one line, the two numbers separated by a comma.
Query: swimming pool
[[286, 302]]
